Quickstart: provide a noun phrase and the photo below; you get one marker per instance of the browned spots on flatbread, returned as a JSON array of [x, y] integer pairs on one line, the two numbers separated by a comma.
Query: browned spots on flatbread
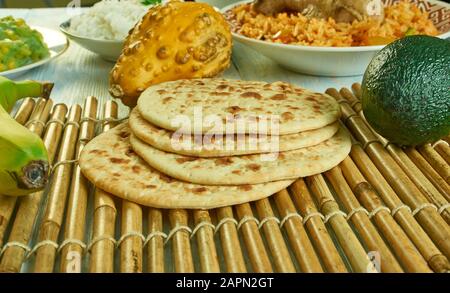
[[253, 167], [225, 161], [286, 116], [281, 156], [190, 95], [161, 92], [279, 97], [97, 152], [246, 187], [199, 189], [293, 108], [186, 159], [151, 186], [119, 161], [311, 98], [130, 152], [116, 174], [166, 178], [251, 95], [258, 109], [124, 134], [221, 87], [166, 100], [220, 94], [317, 109], [136, 169], [237, 172], [234, 109]]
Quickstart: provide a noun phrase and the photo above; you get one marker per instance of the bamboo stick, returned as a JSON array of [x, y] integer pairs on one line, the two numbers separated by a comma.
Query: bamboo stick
[[103, 230], [356, 89], [362, 223], [275, 240], [407, 254], [436, 260], [414, 173], [300, 242], [412, 153], [232, 252], [403, 247], [429, 172], [435, 160], [181, 246], [444, 151], [131, 246], [155, 246], [74, 230], [322, 241], [28, 208], [59, 187], [7, 203], [256, 251], [209, 262], [24, 111], [350, 244], [429, 218]]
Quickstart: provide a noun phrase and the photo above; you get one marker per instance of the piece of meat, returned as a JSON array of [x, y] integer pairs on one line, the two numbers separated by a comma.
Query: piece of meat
[[340, 10]]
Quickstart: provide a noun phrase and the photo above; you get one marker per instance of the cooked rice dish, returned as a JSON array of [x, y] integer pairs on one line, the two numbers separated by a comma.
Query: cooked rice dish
[[109, 19], [402, 18]]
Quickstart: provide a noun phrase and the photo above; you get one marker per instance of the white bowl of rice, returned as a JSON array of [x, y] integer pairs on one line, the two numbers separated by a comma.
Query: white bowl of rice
[[103, 28], [325, 48]]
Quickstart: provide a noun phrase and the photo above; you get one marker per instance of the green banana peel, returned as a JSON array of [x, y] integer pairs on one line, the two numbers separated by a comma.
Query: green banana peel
[[24, 166], [11, 92]]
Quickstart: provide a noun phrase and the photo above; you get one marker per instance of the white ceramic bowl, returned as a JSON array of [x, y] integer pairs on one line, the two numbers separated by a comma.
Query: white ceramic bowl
[[327, 61], [107, 49]]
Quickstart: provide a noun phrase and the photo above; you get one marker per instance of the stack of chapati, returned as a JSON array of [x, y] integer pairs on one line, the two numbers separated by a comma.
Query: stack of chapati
[[142, 160]]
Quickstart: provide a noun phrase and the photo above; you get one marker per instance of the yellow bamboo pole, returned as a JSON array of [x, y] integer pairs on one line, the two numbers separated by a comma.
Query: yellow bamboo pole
[[404, 249], [444, 150], [320, 238], [429, 218], [131, 243], [362, 223], [435, 160], [256, 251], [300, 242], [54, 211], [74, 231], [275, 240], [155, 246], [103, 230], [232, 252], [209, 262], [414, 173], [350, 244], [181, 246]]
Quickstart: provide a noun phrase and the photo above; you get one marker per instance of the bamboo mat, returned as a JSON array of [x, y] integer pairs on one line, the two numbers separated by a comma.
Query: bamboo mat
[[382, 209]]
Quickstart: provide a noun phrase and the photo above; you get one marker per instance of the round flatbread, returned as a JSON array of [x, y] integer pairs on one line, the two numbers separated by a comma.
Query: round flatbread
[[110, 163], [248, 169], [234, 106], [223, 146]]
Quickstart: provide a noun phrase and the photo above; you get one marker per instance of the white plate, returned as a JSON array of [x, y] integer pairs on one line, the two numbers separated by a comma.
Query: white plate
[[107, 49], [57, 44], [330, 61]]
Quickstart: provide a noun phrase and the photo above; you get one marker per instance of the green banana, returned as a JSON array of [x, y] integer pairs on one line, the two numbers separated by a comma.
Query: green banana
[[24, 166]]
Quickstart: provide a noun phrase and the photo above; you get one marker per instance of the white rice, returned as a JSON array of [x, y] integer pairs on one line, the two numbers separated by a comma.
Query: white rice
[[108, 19]]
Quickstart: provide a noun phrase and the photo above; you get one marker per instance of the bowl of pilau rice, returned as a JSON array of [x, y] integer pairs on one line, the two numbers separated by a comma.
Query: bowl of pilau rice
[[326, 48]]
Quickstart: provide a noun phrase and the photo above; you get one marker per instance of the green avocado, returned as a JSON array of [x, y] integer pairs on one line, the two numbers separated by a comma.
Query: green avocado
[[406, 90]]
